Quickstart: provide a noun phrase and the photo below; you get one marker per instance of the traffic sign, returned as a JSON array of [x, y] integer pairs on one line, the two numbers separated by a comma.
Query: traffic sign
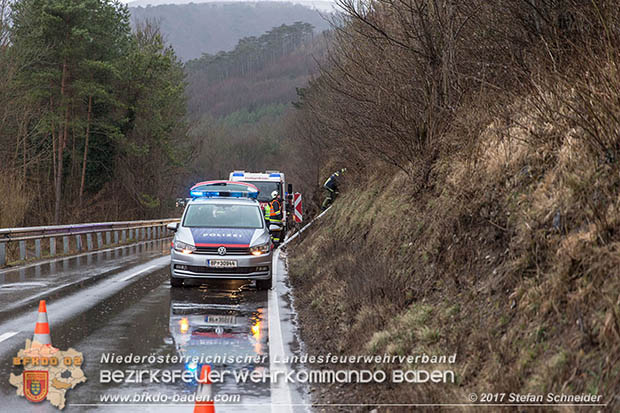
[[297, 209]]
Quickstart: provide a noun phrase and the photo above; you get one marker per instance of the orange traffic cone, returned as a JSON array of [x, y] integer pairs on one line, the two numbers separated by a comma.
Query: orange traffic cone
[[42, 328], [204, 402]]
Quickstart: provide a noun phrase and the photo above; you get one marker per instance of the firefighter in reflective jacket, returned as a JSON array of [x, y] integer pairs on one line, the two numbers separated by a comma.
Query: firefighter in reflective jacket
[[267, 210], [273, 214], [331, 186]]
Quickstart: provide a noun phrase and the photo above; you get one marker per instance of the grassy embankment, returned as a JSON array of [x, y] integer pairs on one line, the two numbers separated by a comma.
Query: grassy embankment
[[509, 256]]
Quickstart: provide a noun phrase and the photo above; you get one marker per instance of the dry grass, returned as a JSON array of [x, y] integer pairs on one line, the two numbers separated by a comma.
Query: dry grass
[[511, 259]]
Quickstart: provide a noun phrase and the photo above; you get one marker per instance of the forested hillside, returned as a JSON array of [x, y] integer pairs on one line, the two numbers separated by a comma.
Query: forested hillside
[[259, 70], [194, 29], [482, 216], [92, 115], [239, 102]]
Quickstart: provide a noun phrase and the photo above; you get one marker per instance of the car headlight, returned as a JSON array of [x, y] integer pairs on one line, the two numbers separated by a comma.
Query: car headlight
[[260, 249], [183, 247]]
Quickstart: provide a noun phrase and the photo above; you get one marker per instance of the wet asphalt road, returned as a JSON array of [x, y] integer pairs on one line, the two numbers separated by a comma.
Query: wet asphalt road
[[120, 302]]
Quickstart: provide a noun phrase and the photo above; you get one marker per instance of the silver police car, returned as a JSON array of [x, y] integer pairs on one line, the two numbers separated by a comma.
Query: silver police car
[[221, 237]]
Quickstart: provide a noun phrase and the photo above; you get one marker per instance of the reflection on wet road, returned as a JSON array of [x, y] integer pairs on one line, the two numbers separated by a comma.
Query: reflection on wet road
[[123, 306], [225, 325]]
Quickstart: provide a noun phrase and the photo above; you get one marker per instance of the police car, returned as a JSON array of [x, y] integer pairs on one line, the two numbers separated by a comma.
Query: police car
[[222, 235]]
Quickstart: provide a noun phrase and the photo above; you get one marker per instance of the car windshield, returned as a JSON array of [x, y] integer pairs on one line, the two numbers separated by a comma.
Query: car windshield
[[223, 216], [265, 189]]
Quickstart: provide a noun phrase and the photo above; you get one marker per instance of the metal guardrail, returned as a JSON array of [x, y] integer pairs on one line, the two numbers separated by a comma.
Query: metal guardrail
[[115, 233]]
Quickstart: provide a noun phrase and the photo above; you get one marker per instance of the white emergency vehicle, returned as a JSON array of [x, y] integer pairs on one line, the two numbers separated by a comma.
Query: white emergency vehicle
[[267, 182]]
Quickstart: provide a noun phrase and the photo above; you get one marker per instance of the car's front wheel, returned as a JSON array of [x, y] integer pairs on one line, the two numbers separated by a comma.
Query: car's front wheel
[[176, 282], [263, 284]]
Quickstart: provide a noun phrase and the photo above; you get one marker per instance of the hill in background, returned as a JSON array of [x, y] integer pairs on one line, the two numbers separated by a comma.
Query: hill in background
[[323, 5], [238, 101], [259, 71], [194, 29]]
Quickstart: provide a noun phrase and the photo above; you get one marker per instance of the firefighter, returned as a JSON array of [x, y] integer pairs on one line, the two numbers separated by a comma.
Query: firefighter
[[331, 187], [267, 210], [275, 214]]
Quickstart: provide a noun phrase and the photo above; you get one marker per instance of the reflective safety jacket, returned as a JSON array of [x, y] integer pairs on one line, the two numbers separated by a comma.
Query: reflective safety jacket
[[267, 210], [275, 213]]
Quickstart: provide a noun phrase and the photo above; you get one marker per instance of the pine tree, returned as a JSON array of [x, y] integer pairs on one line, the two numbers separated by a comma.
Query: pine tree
[[77, 42]]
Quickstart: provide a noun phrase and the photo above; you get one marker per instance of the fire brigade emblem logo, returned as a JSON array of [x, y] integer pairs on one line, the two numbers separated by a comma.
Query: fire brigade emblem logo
[[36, 385], [221, 250]]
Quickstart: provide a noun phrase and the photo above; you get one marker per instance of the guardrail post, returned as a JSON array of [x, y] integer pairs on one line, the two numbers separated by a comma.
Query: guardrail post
[[2, 254], [52, 246], [89, 241], [78, 242], [124, 236], [116, 237], [65, 245], [130, 233], [99, 240], [22, 250], [108, 241], [37, 248], [148, 233]]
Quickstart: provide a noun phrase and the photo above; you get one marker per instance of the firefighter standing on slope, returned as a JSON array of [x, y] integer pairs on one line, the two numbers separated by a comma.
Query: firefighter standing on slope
[[331, 186]]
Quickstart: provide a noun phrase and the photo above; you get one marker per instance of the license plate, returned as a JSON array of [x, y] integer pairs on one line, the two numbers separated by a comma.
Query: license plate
[[221, 319], [222, 263]]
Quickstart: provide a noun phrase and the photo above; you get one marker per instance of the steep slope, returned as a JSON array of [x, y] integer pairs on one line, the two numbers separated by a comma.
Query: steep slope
[[509, 259]]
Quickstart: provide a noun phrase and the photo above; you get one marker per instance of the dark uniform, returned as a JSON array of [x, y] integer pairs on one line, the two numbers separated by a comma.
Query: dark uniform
[[331, 186]]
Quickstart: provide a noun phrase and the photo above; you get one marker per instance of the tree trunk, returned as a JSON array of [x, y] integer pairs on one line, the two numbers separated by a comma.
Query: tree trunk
[[53, 132], [90, 109], [62, 138]]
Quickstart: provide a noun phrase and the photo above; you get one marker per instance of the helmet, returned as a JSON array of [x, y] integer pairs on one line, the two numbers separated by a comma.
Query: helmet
[[274, 194]]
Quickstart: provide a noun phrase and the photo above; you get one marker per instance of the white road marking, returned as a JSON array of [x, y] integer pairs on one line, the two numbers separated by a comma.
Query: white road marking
[[281, 399], [129, 277], [8, 335], [68, 306]]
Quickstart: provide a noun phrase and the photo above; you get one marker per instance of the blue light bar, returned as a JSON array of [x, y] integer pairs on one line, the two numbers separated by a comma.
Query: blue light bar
[[224, 194], [238, 174], [274, 175]]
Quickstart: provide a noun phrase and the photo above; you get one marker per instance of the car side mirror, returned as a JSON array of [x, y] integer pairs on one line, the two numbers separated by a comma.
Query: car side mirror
[[173, 226]]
